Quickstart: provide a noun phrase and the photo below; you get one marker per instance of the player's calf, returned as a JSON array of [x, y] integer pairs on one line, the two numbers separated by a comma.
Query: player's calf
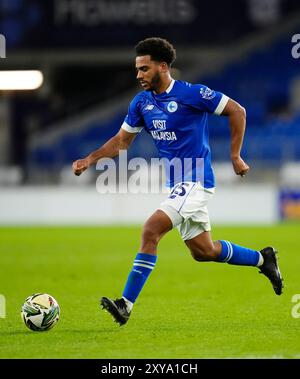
[[203, 249], [204, 255], [150, 240], [154, 229]]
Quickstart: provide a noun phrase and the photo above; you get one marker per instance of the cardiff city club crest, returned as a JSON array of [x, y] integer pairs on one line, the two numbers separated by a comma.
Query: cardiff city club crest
[[172, 106]]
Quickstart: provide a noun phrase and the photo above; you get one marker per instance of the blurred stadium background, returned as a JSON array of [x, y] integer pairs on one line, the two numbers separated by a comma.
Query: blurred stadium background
[[85, 52]]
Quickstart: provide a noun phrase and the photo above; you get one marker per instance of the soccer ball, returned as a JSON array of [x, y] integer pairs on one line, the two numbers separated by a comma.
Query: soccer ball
[[40, 312]]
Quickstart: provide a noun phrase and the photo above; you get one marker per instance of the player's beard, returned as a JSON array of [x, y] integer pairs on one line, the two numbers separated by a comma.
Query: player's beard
[[155, 82]]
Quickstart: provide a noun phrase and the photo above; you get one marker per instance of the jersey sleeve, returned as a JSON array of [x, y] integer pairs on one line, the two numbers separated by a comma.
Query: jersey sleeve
[[208, 100], [134, 122]]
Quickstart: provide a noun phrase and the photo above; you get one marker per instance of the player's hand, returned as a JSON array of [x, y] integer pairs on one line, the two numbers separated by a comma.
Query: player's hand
[[240, 167], [80, 165]]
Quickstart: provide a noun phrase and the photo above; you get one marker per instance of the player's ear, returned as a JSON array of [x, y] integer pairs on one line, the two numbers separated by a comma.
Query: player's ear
[[164, 67]]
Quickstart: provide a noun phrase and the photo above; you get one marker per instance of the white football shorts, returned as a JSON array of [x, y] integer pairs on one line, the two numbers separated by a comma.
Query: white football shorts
[[186, 206]]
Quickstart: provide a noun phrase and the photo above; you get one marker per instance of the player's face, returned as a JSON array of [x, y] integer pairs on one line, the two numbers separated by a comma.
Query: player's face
[[148, 72]]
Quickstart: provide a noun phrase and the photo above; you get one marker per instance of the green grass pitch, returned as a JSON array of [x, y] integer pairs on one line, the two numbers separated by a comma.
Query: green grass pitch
[[186, 310]]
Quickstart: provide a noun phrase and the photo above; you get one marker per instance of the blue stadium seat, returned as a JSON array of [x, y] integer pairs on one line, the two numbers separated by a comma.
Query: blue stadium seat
[[258, 82]]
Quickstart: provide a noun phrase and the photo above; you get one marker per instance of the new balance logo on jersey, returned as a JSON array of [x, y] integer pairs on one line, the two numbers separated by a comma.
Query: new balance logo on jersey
[[149, 107], [159, 124]]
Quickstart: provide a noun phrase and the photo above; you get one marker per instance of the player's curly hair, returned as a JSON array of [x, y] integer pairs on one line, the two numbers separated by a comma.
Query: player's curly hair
[[158, 48]]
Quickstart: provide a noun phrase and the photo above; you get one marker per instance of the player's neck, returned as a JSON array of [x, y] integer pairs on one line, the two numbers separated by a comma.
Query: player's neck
[[164, 85]]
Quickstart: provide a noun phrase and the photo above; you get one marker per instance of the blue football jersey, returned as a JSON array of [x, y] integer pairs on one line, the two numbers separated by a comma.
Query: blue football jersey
[[177, 121]]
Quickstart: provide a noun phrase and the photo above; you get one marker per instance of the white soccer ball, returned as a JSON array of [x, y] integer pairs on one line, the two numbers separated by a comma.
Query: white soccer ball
[[40, 312]]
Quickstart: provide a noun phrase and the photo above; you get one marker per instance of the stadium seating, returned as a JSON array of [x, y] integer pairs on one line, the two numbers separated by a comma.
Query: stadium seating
[[258, 82], [261, 85]]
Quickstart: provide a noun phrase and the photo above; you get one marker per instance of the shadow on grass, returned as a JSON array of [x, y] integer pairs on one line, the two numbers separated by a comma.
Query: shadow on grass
[[112, 330]]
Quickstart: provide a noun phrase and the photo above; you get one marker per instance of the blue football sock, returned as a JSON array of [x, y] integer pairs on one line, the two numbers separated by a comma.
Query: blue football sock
[[142, 267], [239, 255]]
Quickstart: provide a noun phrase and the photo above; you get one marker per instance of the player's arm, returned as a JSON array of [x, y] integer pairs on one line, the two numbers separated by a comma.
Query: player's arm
[[237, 121], [120, 141]]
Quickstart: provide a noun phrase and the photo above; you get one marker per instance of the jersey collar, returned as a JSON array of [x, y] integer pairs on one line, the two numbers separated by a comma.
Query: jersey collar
[[169, 89]]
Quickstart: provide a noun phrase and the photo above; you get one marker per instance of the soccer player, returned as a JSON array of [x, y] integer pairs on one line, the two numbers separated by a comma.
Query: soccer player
[[174, 113]]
